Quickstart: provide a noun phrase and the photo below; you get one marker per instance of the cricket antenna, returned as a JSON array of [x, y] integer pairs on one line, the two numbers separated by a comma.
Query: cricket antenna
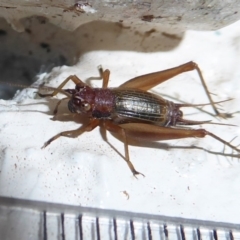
[[46, 88]]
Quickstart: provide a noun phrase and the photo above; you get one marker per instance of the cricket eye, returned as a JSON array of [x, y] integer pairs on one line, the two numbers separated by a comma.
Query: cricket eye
[[86, 106]]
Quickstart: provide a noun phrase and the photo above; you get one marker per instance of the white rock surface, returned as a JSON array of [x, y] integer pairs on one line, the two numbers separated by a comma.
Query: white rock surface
[[182, 14]]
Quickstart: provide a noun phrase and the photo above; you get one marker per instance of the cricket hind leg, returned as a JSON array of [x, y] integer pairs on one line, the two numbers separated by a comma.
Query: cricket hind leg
[[108, 125], [148, 81], [149, 132]]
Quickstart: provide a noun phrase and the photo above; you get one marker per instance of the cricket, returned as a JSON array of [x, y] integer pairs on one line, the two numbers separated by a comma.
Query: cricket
[[131, 112]]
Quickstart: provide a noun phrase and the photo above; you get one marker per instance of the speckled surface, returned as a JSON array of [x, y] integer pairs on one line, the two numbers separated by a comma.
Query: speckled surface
[[184, 14], [86, 171]]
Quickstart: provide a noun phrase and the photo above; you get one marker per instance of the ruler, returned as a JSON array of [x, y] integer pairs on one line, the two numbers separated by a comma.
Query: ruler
[[27, 219]]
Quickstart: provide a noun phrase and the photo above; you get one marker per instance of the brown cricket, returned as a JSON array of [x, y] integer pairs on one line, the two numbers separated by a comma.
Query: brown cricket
[[132, 112]]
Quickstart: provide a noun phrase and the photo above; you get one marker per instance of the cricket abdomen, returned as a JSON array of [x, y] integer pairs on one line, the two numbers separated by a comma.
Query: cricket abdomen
[[137, 105]]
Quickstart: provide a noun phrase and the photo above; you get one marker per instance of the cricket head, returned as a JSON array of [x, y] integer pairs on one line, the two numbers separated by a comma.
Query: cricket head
[[82, 99]]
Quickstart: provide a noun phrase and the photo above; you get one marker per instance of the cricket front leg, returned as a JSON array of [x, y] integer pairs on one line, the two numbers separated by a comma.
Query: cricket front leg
[[121, 132], [59, 89], [73, 78], [104, 76], [74, 133]]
